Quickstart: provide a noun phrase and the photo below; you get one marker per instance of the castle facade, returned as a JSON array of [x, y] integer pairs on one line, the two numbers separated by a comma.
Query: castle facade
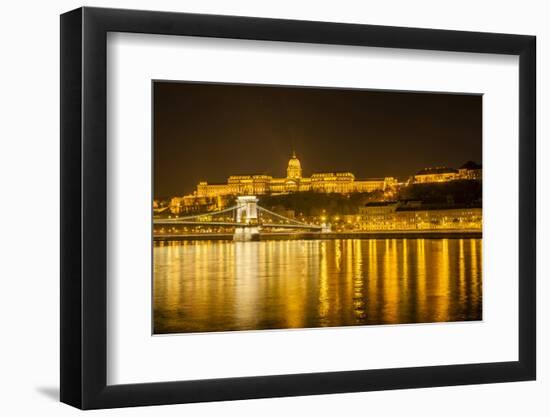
[[323, 182]]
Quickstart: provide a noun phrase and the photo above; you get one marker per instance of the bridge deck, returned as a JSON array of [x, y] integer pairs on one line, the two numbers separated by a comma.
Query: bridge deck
[[234, 224]]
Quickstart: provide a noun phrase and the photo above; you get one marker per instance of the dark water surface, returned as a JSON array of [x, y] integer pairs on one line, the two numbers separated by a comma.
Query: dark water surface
[[205, 286]]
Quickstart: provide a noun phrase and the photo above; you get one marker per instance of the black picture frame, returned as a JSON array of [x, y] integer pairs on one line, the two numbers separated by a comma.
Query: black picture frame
[[84, 207]]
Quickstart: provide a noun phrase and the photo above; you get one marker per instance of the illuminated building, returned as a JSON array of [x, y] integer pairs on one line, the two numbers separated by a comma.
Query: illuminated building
[[437, 174], [389, 216], [294, 170], [469, 171], [378, 208], [324, 182]]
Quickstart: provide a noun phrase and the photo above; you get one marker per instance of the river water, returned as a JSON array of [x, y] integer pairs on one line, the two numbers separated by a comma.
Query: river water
[[206, 286]]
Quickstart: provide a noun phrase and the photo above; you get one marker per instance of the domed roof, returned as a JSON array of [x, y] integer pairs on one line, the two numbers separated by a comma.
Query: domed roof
[[294, 169], [294, 162]]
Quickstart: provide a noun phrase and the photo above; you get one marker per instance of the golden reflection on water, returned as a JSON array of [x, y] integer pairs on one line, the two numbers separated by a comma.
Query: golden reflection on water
[[206, 286]]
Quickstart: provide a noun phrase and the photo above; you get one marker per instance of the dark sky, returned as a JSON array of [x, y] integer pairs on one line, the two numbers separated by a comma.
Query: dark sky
[[210, 131]]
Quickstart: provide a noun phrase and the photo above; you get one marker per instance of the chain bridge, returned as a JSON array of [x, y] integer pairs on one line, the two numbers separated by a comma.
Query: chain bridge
[[247, 217]]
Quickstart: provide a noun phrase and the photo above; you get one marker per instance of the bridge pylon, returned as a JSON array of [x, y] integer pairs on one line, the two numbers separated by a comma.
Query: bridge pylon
[[246, 217]]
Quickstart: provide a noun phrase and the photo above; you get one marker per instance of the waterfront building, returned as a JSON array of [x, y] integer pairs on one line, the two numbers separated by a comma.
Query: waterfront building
[[324, 182], [378, 208], [392, 217]]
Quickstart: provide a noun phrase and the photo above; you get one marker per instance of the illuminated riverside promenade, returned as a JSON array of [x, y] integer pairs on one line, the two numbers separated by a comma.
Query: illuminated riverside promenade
[[249, 220], [381, 234], [202, 286]]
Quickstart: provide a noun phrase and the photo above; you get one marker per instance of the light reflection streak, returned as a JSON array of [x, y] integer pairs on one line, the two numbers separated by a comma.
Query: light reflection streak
[[225, 285]]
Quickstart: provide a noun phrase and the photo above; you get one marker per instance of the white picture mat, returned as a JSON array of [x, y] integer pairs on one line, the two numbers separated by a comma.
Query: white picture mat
[[135, 356]]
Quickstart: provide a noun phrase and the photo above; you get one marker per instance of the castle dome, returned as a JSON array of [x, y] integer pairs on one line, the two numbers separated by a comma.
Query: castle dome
[[294, 169], [294, 162]]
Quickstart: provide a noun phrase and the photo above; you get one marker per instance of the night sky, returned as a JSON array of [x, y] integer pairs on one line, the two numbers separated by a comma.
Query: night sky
[[210, 131]]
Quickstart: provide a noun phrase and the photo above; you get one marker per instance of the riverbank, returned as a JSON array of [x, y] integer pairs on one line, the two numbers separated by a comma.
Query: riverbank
[[381, 234]]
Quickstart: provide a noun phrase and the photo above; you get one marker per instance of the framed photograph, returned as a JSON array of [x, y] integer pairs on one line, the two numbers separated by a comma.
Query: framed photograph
[[257, 208]]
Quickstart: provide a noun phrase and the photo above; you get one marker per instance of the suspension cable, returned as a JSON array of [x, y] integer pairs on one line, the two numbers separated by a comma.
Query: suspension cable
[[283, 217], [196, 216]]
